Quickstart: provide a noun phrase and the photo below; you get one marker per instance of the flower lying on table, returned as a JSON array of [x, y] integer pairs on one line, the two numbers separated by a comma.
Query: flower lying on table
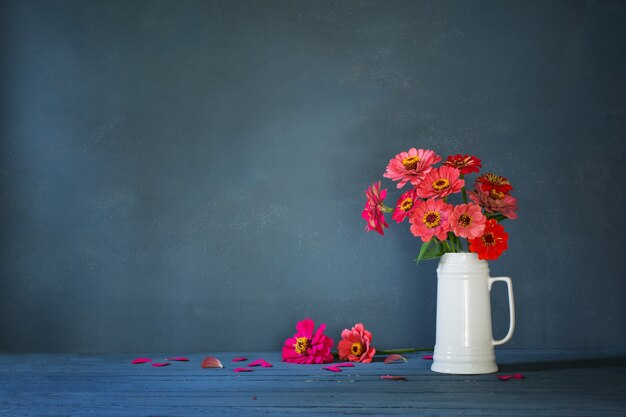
[[440, 224], [308, 347], [355, 345]]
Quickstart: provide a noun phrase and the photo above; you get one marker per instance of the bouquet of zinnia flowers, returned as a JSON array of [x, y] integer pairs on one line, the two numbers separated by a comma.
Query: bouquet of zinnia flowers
[[441, 225]]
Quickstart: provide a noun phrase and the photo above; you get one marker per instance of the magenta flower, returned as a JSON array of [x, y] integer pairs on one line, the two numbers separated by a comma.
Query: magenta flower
[[308, 347], [373, 213], [355, 345], [440, 182], [404, 205], [431, 218], [468, 221], [496, 203], [411, 166]]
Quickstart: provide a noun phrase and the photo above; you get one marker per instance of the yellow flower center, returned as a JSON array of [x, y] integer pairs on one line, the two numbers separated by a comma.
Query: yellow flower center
[[406, 204], [441, 184], [432, 219], [302, 344], [356, 349], [465, 220], [411, 162], [498, 195], [496, 179]]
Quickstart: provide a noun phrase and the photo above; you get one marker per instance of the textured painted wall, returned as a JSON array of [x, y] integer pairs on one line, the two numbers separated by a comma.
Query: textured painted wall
[[188, 176]]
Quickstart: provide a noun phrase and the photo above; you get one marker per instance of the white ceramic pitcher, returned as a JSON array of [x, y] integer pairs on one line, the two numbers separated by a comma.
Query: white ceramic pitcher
[[464, 341]]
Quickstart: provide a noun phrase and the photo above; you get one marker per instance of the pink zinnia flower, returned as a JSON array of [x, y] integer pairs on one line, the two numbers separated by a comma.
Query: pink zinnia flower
[[308, 347], [440, 182], [404, 205], [411, 166], [495, 202], [467, 220], [431, 218], [373, 212], [464, 163], [355, 345]]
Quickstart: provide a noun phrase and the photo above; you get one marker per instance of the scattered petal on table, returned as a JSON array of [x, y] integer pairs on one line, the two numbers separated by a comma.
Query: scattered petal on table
[[507, 377], [394, 377], [332, 368], [177, 358], [395, 358], [211, 362], [159, 364], [140, 360], [427, 357], [243, 370], [345, 365], [241, 359], [261, 362]]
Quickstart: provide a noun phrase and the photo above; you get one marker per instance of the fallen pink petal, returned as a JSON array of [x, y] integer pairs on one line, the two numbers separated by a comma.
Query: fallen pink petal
[[177, 358], [395, 358], [261, 362], [243, 370], [507, 377], [345, 365], [427, 357], [394, 377], [241, 359], [140, 360], [211, 362], [332, 368], [159, 364]]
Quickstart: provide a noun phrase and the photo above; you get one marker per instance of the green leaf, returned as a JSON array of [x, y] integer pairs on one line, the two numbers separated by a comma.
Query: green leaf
[[498, 217], [430, 250]]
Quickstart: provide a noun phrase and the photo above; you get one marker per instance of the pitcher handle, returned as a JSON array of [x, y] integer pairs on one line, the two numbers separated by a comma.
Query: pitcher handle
[[511, 308]]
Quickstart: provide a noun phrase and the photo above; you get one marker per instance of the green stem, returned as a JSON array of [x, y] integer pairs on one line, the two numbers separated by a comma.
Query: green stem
[[452, 241], [407, 350], [463, 193]]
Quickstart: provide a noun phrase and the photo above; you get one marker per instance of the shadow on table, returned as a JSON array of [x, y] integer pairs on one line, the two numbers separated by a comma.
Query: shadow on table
[[563, 364]]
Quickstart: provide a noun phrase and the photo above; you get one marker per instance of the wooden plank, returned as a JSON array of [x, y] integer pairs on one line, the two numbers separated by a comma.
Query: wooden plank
[[557, 383]]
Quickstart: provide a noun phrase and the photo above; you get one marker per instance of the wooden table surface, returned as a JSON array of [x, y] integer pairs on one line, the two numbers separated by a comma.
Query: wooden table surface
[[556, 383]]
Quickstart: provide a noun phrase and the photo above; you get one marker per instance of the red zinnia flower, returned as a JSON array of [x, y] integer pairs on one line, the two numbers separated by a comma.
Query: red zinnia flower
[[404, 206], [492, 243], [495, 185], [464, 163], [373, 211]]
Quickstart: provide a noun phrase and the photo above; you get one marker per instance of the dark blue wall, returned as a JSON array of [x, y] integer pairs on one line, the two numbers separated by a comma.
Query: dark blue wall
[[188, 176]]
